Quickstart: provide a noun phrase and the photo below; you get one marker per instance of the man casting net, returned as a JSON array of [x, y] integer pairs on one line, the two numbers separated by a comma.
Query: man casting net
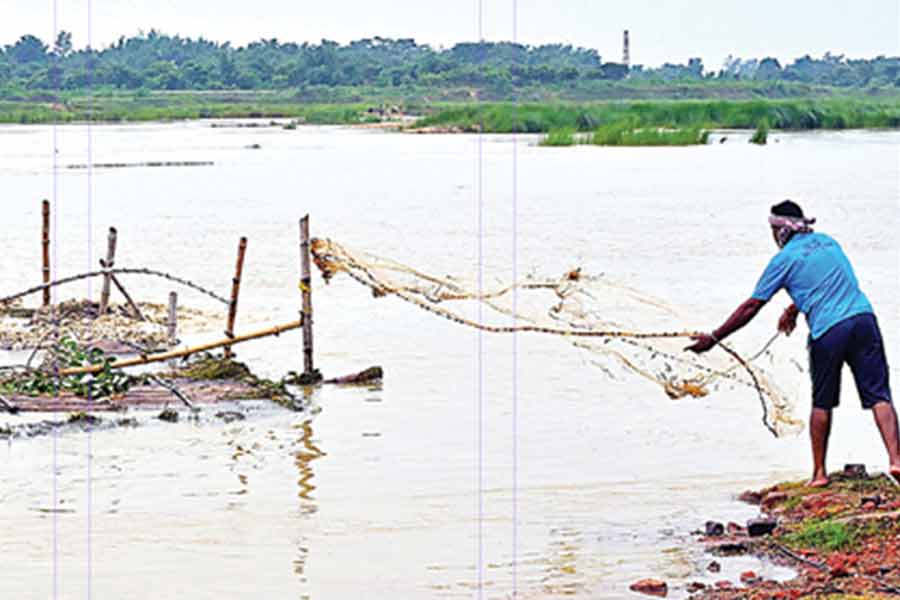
[[618, 327]]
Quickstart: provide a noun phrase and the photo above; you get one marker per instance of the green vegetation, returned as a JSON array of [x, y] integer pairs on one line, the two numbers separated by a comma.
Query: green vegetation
[[168, 106], [488, 86], [625, 134], [218, 367], [68, 353], [823, 535], [209, 367], [156, 61], [559, 137], [826, 113], [761, 135], [489, 117]]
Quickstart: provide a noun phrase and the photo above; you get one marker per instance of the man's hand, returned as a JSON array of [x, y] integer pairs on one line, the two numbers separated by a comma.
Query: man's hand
[[740, 317], [788, 320], [704, 342]]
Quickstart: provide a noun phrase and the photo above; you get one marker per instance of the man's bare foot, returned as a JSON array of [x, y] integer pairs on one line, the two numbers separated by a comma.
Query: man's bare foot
[[822, 481], [895, 473]]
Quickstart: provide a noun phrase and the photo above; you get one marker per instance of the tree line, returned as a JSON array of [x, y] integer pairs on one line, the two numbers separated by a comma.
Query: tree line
[[156, 61]]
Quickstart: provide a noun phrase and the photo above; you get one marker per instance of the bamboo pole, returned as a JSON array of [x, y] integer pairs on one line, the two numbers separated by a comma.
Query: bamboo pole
[[174, 390], [45, 243], [306, 289], [131, 303], [134, 307], [172, 324], [101, 273], [163, 356], [235, 290], [8, 406], [109, 264]]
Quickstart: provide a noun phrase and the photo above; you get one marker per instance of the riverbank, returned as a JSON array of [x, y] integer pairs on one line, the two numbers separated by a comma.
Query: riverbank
[[44, 108], [462, 116], [805, 114], [842, 541]]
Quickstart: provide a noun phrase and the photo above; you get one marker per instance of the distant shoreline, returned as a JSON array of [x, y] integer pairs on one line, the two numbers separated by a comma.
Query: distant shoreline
[[794, 114]]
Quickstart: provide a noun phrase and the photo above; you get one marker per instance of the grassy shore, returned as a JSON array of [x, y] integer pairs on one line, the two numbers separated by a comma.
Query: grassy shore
[[624, 134], [825, 113], [843, 540], [558, 138], [619, 123], [160, 106]]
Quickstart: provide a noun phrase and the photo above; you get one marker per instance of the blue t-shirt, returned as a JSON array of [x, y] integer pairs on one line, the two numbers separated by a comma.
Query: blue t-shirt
[[817, 275]]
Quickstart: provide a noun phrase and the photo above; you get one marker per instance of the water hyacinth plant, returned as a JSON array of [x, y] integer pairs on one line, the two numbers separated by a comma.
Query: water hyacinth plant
[[761, 135]]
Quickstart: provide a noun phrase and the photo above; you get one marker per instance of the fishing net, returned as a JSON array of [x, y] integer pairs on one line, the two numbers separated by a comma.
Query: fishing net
[[616, 326]]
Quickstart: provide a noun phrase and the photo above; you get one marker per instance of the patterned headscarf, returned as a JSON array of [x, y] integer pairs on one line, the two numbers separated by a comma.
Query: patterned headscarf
[[786, 227]]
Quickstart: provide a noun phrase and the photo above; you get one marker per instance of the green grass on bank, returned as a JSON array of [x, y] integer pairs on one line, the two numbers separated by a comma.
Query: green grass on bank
[[827, 536], [560, 138], [826, 113], [624, 134], [115, 108], [829, 112]]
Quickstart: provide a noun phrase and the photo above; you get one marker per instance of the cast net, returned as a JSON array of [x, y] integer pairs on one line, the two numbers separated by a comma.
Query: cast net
[[617, 327]]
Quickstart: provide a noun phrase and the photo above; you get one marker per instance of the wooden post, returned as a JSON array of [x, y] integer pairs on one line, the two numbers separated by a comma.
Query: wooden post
[[108, 264], [172, 324], [306, 289], [45, 242], [235, 290]]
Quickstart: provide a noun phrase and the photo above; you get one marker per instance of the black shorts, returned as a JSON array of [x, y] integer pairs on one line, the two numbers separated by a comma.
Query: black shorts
[[857, 342]]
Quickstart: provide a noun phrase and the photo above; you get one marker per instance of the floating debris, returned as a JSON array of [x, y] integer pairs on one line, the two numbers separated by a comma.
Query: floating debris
[[168, 415], [152, 163], [22, 329]]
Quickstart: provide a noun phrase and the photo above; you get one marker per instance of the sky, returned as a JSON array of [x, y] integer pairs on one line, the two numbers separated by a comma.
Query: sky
[[661, 30]]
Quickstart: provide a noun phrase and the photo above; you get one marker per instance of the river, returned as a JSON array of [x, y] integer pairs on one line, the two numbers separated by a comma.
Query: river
[[374, 492]]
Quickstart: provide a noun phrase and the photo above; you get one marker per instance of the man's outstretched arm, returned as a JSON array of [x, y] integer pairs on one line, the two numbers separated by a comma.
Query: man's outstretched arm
[[740, 317]]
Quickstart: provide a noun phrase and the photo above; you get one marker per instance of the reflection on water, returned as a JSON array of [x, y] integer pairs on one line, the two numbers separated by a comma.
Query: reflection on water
[[304, 459], [565, 563]]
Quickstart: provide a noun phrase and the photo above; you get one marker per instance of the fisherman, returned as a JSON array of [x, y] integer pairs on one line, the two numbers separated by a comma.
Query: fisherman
[[842, 328]]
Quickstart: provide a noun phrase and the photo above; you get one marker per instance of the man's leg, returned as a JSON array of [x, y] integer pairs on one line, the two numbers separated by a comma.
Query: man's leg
[[867, 360], [886, 419], [819, 430], [826, 360]]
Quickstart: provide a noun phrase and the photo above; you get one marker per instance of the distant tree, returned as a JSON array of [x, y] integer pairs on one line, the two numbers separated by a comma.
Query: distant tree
[[29, 49], [695, 67], [157, 61], [614, 71], [769, 68], [62, 47]]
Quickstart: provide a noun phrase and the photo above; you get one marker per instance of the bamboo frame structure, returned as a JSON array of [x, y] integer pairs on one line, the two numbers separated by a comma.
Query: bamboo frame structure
[[109, 263], [306, 289], [130, 271], [163, 356], [172, 323], [134, 307], [45, 245], [235, 290]]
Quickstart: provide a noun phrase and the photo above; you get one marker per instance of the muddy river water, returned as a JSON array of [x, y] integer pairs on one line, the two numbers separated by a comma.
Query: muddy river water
[[588, 482]]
